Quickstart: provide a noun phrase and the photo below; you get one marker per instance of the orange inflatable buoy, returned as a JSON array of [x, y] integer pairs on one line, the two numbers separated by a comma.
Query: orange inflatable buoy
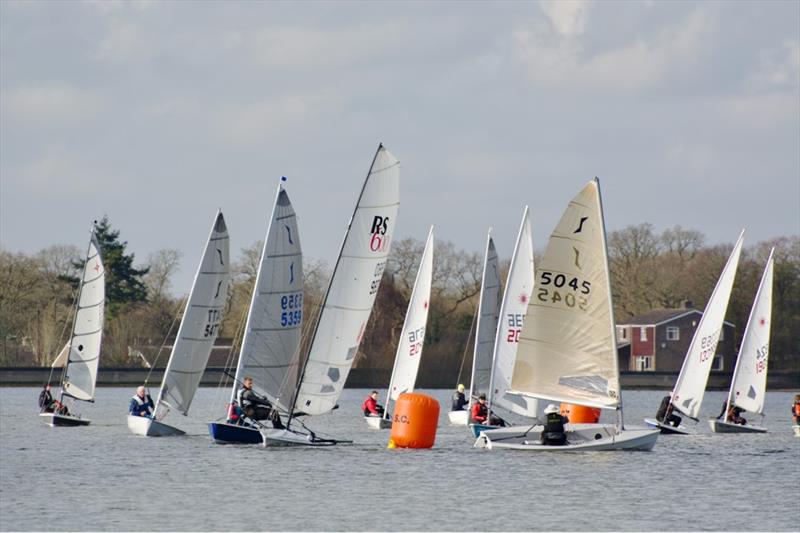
[[414, 423], [580, 414]]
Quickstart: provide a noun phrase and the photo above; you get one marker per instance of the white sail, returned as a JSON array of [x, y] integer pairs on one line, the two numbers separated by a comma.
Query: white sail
[[412, 337], [749, 385], [488, 313], [567, 351], [688, 392], [354, 284], [519, 287], [62, 357], [87, 331], [272, 333], [199, 325]]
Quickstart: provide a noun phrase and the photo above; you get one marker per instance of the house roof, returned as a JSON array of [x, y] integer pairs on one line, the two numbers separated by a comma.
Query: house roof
[[658, 317]]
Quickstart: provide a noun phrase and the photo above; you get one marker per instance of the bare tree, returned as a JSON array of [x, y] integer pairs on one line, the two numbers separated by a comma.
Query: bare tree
[[163, 264]]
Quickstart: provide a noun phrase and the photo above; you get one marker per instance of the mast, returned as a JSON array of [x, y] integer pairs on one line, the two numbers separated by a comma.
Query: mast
[[328, 290], [612, 322], [75, 315], [478, 323]]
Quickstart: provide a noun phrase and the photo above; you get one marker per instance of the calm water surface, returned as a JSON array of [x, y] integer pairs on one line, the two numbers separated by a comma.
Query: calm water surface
[[101, 477]]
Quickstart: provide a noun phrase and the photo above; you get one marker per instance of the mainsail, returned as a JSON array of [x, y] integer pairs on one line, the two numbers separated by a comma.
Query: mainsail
[[567, 351], [749, 384], [688, 392], [488, 313], [354, 284], [199, 325], [412, 337], [272, 332], [519, 287], [80, 373]]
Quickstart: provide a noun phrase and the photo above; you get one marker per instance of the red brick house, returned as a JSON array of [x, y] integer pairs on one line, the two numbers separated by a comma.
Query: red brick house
[[659, 340]]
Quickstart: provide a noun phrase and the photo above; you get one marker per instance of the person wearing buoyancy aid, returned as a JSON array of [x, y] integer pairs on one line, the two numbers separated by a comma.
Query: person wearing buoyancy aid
[[459, 400], [796, 410], [665, 414], [480, 411], [46, 402], [256, 407], [371, 407], [141, 403], [553, 433]]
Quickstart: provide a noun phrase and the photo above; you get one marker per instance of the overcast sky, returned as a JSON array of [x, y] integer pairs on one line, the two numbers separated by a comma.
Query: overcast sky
[[157, 113]]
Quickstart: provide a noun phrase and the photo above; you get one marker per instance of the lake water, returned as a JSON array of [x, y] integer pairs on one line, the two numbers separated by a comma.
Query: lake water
[[101, 477]]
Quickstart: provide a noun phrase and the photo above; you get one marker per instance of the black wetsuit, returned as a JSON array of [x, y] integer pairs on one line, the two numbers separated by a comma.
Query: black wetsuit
[[665, 414], [46, 401], [459, 402], [256, 407], [553, 433]]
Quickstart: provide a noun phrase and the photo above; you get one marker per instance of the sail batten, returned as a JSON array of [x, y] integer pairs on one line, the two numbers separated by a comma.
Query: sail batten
[[200, 324], [352, 289], [687, 396], [566, 347]]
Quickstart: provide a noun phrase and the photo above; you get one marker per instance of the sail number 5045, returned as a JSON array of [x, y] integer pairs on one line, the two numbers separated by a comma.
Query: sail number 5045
[[549, 285]]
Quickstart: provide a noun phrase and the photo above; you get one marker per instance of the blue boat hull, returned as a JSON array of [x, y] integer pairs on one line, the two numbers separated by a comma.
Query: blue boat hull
[[477, 428], [230, 434]]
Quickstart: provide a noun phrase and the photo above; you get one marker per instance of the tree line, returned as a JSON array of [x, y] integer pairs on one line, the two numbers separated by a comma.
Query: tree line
[[649, 270]]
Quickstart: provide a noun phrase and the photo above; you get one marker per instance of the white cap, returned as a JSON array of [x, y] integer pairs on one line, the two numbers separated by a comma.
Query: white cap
[[552, 408]]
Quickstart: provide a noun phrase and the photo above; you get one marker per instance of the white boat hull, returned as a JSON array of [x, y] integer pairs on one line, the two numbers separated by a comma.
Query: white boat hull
[[796, 429], [458, 418], [378, 422], [147, 427], [54, 420], [720, 426], [580, 437], [287, 437], [667, 429]]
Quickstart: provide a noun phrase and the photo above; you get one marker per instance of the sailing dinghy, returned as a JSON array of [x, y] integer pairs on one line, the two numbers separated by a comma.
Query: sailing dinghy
[[272, 332], [80, 358], [567, 349], [196, 335], [347, 305], [691, 384], [412, 337], [487, 316], [519, 286], [749, 383]]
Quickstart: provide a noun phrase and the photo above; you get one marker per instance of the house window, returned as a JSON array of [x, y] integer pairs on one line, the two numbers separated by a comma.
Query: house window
[[718, 363], [643, 334], [673, 333], [644, 363], [622, 333]]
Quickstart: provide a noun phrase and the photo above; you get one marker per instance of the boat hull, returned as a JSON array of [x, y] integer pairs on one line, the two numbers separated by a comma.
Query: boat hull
[[54, 420], [148, 427], [232, 434], [720, 426], [378, 422], [667, 429], [477, 428], [580, 438], [287, 437], [796, 429], [458, 418]]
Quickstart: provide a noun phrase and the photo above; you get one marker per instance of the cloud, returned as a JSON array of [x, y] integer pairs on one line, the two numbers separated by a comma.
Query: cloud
[[568, 17], [779, 68], [53, 103], [59, 173]]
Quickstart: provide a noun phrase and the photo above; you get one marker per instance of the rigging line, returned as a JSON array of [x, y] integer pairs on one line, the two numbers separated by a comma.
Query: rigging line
[[237, 337], [466, 346], [64, 332]]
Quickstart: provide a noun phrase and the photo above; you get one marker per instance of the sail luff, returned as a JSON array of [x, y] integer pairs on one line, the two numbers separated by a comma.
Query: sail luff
[[490, 293], [687, 396], [409, 352], [751, 367], [200, 323]]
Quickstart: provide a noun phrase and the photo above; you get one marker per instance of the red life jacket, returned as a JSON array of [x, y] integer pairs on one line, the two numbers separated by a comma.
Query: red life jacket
[[370, 406], [479, 412], [233, 415]]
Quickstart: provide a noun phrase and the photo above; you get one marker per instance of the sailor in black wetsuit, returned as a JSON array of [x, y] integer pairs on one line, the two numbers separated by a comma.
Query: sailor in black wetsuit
[[553, 433], [665, 414], [460, 402], [257, 407]]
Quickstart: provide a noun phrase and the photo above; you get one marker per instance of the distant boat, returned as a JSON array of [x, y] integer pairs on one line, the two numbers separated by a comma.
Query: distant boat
[[348, 302], [486, 330], [412, 337], [567, 349], [517, 294], [196, 335], [80, 357], [691, 384], [749, 383], [272, 333]]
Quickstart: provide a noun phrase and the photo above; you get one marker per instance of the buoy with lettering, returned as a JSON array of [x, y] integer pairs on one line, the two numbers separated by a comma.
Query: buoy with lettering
[[580, 414], [414, 423]]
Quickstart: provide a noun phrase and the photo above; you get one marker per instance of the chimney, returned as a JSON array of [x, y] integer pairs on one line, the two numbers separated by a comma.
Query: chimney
[[688, 304]]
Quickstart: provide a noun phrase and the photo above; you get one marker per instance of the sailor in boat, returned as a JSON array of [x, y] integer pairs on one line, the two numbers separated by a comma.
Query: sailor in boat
[[735, 415], [553, 433], [459, 400], [141, 403], [371, 407], [723, 411], [46, 402], [665, 414], [257, 407], [480, 414], [796, 410]]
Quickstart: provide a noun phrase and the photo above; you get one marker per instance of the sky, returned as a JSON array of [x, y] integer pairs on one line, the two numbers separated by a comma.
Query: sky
[[158, 113]]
